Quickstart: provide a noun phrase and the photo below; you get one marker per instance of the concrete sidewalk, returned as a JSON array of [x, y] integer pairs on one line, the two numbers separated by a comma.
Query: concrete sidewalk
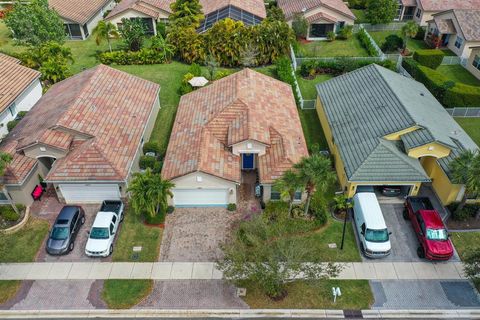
[[207, 271]]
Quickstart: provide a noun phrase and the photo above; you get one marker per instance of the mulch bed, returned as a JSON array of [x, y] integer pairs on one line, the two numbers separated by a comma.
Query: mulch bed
[[5, 224], [471, 223]]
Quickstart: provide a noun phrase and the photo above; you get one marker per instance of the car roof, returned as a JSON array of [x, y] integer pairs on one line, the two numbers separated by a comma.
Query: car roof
[[66, 213], [372, 213], [103, 219], [432, 219]]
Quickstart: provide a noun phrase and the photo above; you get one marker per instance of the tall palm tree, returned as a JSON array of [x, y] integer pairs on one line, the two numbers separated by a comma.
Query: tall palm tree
[[288, 184], [160, 191], [409, 30], [316, 173], [104, 31], [5, 159], [465, 170]]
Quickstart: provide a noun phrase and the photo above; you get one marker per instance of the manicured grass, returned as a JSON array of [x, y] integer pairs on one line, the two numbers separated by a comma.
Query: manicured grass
[[307, 87], [458, 73], [472, 127], [312, 129], [8, 289], [338, 48], [124, 294], [361, 15], [412, 44], [356, 295], [23, 245], [465, 242], [134, 233], [85, 52]]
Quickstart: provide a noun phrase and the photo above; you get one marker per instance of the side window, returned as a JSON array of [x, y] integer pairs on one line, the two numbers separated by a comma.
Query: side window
[[111, 228], [114, 219], [458, 42], [298, 196], [274, 195], [75, 218], [419, 13]]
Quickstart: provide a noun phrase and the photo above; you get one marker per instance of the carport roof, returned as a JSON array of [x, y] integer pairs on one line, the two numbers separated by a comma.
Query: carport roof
[[364, 106]]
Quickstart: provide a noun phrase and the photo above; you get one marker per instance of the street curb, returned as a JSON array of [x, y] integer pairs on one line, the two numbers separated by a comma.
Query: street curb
[[239, 313]]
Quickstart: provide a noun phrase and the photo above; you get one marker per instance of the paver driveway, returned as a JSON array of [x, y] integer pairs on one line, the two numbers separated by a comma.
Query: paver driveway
[[194, 234]]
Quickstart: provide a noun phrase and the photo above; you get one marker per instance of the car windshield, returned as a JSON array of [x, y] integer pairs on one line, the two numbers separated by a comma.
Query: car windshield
[[99, 233], [59, 233], [437, 234], [376, 235]]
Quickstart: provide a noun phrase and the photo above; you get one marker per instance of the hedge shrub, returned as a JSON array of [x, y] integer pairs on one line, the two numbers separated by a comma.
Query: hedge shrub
[[339, 66], [462, 95], [431, 58], [144, 56], [151, 146], [392, 43], [284, 72], [9, 214], [146, 162], [366, 43]]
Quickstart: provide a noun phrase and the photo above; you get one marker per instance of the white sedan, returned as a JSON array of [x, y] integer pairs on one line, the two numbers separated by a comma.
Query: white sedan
[[102, 234]]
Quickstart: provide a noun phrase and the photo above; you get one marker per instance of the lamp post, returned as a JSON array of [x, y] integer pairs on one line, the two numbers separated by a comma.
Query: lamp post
[[344, 227]]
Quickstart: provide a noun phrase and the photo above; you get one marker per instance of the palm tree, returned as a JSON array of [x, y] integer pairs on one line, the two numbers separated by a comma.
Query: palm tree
[[465, 170], [288, 185], [149, 192], [342, 204], [316, 174], [104, 31], [409, 30], [5, 159]]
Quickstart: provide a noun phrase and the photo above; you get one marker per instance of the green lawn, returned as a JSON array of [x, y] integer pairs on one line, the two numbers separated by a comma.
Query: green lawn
[[135, 233], [356, 295], [338, 48], [412, 44], [312, 129], [8, 289], [361, 15], [472, 127], [458, 73], [22, 246], [465, 241], [307, 87], [124, 294]]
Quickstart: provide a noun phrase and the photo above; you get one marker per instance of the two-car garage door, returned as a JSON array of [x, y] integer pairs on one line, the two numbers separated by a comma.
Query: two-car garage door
[[89, 193], [200, 197]]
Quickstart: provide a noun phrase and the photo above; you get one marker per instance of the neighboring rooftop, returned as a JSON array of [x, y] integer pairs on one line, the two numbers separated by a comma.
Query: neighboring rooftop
[[469, 22], [291, 7], [79, 11], [97, 116], [372, 102], [256, 7], [151, 8], [244, 106], [14, 80], [442, 5]]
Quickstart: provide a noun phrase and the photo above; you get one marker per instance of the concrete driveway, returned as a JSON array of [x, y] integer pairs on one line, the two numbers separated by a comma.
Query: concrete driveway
[[403, 239], [195, 234], [78, 252]]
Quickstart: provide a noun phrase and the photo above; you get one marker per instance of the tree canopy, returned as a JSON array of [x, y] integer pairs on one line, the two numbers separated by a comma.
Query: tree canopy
[[186, 13], [34, 23], [381, 11]]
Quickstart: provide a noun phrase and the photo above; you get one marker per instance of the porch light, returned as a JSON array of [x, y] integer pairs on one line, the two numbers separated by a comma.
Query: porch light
[[249, 145], [43, 149], [430, 148], [199, 179]]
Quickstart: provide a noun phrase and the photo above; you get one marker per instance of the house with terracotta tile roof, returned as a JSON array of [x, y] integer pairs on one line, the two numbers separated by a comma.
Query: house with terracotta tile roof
[[20, 90], [457, 30], [242, 124], [422, 11], [323, 16], [250, 12], [149, 11], [80, 17], [83, 137]]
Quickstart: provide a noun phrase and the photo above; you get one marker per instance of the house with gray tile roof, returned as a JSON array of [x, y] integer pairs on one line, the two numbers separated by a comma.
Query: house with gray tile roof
[[386, 129]]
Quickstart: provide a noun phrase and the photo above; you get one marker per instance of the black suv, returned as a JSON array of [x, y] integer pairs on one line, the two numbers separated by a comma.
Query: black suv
[[65, 230]]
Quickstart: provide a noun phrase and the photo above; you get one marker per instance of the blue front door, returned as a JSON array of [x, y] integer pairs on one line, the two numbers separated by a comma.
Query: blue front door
[[248, 161]]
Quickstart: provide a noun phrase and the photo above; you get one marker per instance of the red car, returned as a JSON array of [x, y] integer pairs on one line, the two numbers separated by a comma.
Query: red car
[[431, 232]]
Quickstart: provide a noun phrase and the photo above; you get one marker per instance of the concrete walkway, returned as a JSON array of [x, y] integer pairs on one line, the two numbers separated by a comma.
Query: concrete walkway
[[207, 271]]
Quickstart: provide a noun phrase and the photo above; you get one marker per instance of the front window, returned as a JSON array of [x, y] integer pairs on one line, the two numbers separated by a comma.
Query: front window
[[476, 62], [458, 42], [437, 234], [99, 233], [60, 233], [320, 30], [274, 195], [298, 196], [372, 235]]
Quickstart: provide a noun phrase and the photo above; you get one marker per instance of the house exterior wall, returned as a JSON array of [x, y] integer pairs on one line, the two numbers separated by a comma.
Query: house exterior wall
[[424, 17], [397, 135], [470, 66], [128, 14], [208, 181], [21, 194], [444, 188], [92, 23], [431, 149], [24, 102], [243, 147]]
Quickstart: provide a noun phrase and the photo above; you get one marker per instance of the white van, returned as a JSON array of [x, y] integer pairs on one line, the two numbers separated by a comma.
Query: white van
[[371, 228]]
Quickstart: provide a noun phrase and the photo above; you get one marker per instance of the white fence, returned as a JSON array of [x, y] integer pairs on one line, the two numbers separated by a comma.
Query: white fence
[[464, 112], [394, 26]]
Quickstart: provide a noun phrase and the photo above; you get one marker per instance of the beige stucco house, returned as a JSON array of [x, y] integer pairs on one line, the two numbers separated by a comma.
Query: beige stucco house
[[84, 137], [457, 30], [149, 11], [473, 63], [244, 124], [323, 16]]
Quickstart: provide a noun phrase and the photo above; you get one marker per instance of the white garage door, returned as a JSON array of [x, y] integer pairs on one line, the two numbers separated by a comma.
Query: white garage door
[[200, 197], [89, 193]]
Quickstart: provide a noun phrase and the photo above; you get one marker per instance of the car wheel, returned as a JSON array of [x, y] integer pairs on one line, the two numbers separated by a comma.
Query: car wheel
[[70, 246], [83, 220], [405, 214], [111, 250], [420, 252], [362, 249]]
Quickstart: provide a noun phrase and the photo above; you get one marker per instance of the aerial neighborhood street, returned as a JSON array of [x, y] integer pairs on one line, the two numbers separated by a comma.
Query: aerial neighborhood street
[[239, 159]]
